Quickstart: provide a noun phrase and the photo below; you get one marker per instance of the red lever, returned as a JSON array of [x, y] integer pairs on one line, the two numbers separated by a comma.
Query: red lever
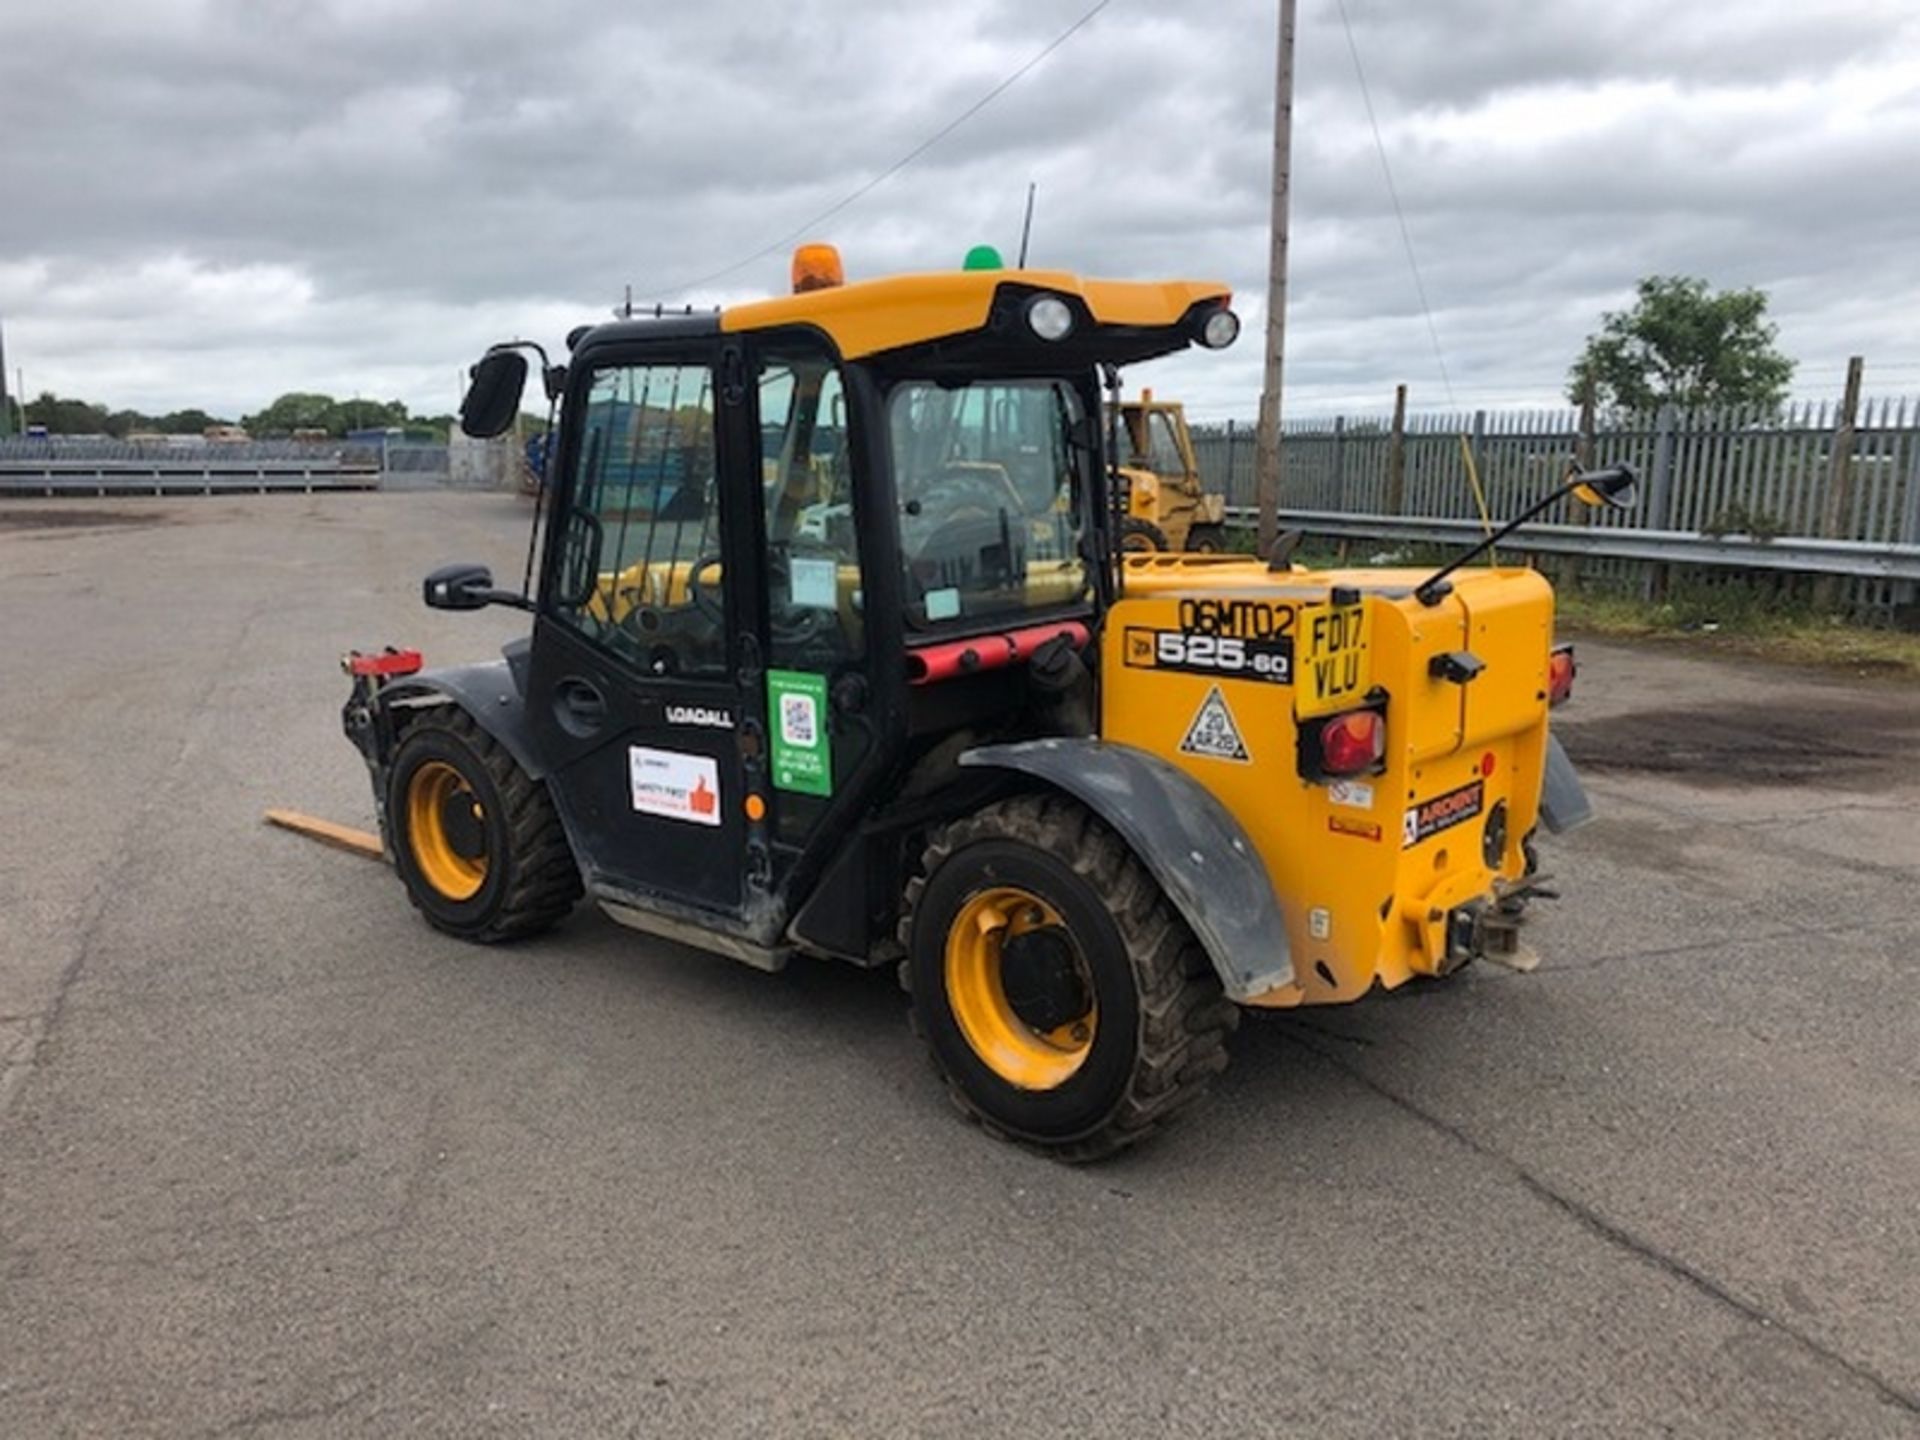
[[388, 662]]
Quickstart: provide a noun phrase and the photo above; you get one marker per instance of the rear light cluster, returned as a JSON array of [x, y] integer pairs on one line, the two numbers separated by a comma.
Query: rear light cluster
[[1560, 673], [1353, 742]]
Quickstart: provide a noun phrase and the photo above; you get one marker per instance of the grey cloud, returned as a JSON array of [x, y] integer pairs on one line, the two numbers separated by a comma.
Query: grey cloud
[[357, 195]]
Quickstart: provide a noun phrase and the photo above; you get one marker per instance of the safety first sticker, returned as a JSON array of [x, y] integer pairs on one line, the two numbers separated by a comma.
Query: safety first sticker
[[1213, 733], [674, 785], [1443, 812]]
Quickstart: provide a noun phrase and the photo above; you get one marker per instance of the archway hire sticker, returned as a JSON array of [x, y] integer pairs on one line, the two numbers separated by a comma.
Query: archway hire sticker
[[1443, 812]]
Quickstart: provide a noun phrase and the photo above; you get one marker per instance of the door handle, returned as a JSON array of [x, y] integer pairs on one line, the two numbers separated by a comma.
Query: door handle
[[579, 707]]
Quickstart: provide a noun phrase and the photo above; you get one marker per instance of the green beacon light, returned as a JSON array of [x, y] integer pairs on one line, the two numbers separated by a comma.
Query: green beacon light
[[983, 257]]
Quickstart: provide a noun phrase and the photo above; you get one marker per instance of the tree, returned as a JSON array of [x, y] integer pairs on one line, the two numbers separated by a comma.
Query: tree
[[299, 410], [66, 417], [1681, 344], [188, 422], [296, 410]]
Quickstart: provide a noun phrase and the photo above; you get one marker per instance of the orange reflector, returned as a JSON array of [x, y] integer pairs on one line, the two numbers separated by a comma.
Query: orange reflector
[[816, 267]]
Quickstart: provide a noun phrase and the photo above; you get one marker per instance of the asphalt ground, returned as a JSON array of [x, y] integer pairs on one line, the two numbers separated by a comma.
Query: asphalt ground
[[277, 1159]]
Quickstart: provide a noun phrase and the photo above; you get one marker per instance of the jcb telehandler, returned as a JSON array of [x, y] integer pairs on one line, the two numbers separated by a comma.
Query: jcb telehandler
[[1088, 803], [1165, 504]]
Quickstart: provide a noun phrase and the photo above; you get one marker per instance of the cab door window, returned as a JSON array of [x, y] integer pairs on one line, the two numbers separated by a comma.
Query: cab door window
[[814, 594], [640, 570]]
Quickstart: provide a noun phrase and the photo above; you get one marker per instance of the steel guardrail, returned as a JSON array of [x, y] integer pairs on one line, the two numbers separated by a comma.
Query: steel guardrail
[[1801, 555], [49, 478]]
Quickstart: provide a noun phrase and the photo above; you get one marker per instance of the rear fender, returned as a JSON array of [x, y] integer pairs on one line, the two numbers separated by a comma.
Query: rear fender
[[1196, 850], [1563, 799]]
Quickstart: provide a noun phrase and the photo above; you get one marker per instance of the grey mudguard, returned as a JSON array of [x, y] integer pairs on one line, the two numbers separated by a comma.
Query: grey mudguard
[[485, 691], [1193, 846], [1563, 799]]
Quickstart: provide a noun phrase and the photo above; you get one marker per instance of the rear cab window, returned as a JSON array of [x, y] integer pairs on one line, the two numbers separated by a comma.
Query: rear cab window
[[989, 521]]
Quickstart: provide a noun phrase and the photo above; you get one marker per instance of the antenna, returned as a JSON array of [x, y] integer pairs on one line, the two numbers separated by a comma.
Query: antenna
[[1026, 228]]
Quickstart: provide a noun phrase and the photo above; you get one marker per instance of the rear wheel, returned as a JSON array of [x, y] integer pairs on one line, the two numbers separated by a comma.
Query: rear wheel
[[1064, 1001], [476, 840], [1141, 536], [1207, 539]]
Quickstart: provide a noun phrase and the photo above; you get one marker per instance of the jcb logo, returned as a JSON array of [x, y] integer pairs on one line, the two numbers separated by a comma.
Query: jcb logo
[[1140, 647]]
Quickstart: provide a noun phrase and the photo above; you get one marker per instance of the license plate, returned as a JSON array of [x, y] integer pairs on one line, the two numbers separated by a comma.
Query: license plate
[[1334, 671]]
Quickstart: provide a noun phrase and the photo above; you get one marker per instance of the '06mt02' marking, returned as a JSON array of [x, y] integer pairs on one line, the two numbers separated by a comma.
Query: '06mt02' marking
[[1233, 655]]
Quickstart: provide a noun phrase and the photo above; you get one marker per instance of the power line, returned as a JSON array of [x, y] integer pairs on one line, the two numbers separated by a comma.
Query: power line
[[1393, 194], [897, 166]]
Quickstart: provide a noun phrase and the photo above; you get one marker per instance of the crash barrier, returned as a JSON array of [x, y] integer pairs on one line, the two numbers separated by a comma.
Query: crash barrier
[[1809, 489], [73, 466], [174, 477]]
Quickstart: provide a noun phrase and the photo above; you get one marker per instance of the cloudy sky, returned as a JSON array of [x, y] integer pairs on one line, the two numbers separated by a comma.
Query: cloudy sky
[[208, 202]]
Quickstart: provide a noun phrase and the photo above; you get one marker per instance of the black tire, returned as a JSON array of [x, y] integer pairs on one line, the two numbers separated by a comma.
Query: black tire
[[1207, 539], [1140, 536], [1162, 1019], [529, 881]]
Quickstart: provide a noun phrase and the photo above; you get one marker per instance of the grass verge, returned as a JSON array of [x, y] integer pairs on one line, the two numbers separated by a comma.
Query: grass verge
[[1722, 620]]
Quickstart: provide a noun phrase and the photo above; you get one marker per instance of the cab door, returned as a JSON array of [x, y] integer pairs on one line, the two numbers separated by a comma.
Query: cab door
[[634, 690]]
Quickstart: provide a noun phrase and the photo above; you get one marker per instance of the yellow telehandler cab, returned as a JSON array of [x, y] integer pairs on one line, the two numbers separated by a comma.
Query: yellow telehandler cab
[[1166, 505], [835, 650]]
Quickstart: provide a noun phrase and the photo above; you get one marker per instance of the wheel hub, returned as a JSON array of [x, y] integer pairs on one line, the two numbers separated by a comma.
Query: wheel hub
[[1019, 989], [1042, 979], [446, 830], [463, 824]]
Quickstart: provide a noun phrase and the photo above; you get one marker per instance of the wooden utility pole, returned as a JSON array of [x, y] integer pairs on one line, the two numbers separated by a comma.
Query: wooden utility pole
[[1838, 519], [1397, 455], [1267, 450]]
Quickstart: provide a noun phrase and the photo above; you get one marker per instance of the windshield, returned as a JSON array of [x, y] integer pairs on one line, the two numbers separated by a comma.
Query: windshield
[[985, 475]]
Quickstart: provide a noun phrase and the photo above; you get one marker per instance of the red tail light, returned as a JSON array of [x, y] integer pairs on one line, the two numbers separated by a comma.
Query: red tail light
[[1560, 673], [1352, 743]]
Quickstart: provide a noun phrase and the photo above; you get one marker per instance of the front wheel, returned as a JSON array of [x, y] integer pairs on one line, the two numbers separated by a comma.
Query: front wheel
[[1063, 999], [476, 840], [1207, 539]]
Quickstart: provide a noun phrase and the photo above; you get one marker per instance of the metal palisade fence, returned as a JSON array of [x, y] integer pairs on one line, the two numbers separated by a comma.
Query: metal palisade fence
[[1803, 490]]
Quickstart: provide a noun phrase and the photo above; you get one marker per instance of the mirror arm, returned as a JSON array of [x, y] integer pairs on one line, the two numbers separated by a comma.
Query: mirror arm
[[1430, 590]]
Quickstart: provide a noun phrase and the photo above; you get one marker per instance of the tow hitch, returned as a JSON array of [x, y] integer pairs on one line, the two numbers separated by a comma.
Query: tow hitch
[[1480, 930]]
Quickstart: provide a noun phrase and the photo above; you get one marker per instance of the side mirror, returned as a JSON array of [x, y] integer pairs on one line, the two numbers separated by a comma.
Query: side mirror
[[459, 587], [1616, 487], [493, 397]]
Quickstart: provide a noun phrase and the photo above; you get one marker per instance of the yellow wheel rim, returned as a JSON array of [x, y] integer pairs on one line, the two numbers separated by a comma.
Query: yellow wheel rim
[[431, 791], [1023, 1056]]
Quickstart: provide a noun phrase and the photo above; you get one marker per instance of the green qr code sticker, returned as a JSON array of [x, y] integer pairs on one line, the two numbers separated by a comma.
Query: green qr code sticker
[[802, 757]]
